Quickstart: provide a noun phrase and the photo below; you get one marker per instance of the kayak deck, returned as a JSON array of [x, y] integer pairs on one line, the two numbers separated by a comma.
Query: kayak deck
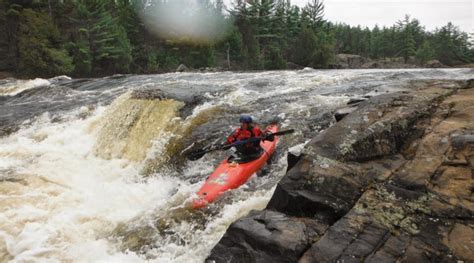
[[231, 175]]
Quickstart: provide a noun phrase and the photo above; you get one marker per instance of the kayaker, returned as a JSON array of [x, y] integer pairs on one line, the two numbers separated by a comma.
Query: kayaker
[[247, 131]]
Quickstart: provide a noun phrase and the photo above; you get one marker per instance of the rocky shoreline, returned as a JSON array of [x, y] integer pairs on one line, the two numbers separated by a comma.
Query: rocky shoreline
[[391, 182]]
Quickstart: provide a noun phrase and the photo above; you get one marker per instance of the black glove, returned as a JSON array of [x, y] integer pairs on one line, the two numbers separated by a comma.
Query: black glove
[[226, 146], [268, 136]]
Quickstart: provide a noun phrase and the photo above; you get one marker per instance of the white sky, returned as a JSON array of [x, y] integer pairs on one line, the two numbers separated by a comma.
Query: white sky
[[430, 13]]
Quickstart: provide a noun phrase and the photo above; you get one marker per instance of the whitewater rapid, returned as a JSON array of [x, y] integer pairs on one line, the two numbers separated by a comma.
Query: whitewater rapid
[[61, 200]]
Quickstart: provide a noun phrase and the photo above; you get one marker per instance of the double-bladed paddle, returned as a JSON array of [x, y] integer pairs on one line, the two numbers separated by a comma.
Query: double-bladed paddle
[[195, 155]]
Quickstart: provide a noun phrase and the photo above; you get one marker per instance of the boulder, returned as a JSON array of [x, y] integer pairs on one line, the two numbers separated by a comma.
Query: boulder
[[182, 68], [148, 94], [349, 61], [266, 236], [356, 101], [372, 65], [291, 65], [341, 113], [434, 64]]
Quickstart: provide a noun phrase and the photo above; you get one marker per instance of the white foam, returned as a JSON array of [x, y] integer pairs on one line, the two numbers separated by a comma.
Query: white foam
[[73, 198], [17, 86]]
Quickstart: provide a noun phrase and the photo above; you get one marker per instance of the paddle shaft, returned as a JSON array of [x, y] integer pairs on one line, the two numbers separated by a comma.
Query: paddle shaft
[[198, 154]]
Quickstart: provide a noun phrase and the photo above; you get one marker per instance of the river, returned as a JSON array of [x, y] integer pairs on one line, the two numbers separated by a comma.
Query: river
[[92, 170]]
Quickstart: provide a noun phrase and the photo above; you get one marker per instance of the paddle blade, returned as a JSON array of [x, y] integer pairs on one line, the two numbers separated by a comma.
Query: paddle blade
[[193, 156], [283, 132]]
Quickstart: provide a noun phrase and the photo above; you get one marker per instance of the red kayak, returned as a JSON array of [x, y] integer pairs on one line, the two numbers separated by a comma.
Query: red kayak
[[230, 175]]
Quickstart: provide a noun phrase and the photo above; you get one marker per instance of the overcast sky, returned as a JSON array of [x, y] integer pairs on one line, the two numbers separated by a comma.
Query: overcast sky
[[431, 13]]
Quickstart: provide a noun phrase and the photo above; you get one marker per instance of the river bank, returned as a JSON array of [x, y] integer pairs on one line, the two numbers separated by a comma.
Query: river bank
[[390, 182]]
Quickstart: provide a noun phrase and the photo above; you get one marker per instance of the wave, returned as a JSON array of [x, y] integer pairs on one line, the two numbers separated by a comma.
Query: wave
[[13, 87]]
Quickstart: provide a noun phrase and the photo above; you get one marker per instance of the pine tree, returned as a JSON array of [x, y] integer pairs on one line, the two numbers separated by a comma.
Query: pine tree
[[305, 47], [12, 26], [406, 39], [3, 33], [451, 45], [39, 46], [244, 20], [323, 54], [102, 36], [376, 43], [425, 53], [292, 21], [312, 14]]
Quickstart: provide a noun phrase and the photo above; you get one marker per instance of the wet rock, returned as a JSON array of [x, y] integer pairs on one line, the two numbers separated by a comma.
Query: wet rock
[[181, 68], [349, 61], [148, 94], [349, 240], [291, 65], [460, 141], [292, 159], [384, 226], [460, 239], [266, 236], [382, 127], [356, 101], [373, 65], [326, 189], [190, 104], [434, 64], [469, 84], [341, 113], [8, 130], [319, 120]]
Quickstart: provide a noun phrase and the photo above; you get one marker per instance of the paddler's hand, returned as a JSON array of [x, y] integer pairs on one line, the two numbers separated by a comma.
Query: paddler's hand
[[268, 136]]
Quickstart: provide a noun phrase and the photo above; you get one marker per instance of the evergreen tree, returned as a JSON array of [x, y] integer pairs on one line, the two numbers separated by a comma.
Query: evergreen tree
[[376, 43], [451, 46], [244, 20], [292, 21], [102, 37], [425, 53], [305, 47], [323, 54], [39, 46], [11, 27], [3, 32], [406, 37], [312, 14]]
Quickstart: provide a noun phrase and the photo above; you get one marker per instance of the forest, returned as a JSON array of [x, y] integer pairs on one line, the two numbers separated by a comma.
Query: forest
[[91, 38]]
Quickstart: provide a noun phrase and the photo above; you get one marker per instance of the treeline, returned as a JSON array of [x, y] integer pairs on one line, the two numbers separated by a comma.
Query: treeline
[[103, 37]]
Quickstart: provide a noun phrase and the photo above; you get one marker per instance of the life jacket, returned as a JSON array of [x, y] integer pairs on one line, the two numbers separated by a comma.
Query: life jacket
[[241, 134]]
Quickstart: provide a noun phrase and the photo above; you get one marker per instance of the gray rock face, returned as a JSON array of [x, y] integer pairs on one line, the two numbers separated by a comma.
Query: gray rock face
[[266, 236], [391, 182]]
